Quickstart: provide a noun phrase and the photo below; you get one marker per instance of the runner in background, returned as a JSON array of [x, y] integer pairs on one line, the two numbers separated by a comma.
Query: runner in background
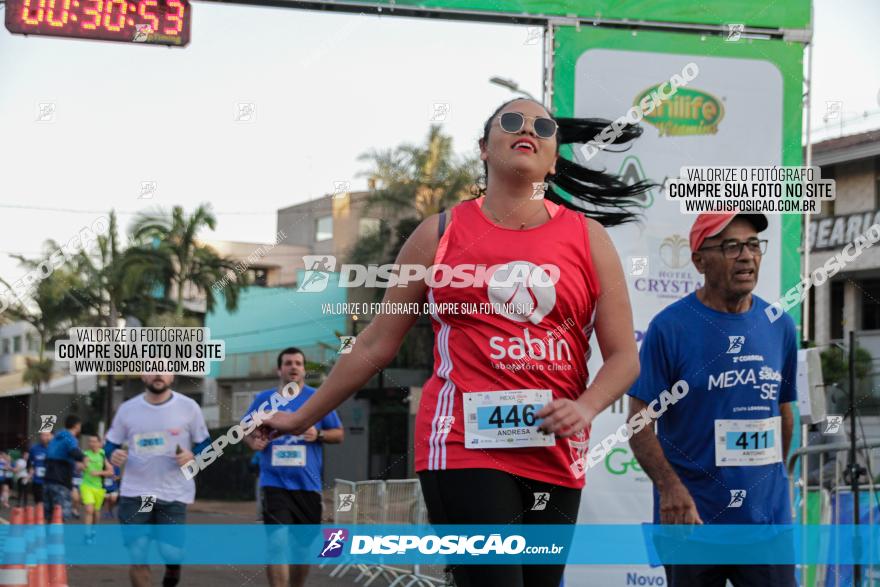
[[95, 470], [523, 369], [6, 475], [21, 478], [111, 486], [717, 455], [162, 428], [37, 465], [63, 458], [75, 495], [291, 469], [254, 467]]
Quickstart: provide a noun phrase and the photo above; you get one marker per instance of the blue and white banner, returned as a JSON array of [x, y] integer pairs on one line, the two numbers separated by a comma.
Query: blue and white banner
[[254, 544]]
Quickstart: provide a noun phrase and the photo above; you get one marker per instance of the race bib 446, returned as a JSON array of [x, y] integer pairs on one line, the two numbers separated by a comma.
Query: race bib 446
[[505, 419]]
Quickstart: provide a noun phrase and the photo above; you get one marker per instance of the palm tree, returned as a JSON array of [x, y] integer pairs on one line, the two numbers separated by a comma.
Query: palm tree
[[56, 305], [169, 248], [411, 183], [118, 283], [119, 280]]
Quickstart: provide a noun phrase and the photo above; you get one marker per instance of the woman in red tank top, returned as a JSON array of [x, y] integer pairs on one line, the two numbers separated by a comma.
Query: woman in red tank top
[[520, 280]]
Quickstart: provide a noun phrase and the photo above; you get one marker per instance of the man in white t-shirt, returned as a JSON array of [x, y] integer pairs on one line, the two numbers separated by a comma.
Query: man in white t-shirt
[[153, 435], [21, 478]]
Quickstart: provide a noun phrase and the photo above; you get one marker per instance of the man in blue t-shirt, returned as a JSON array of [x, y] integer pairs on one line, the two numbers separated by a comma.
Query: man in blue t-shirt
[[63, 459], [36, 465], [718, 453], [291, 466]]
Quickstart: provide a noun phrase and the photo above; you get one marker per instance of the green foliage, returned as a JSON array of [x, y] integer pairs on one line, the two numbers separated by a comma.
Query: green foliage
[[106, 281], [170, 251], [412, 182], [37, 371], [835, 365]]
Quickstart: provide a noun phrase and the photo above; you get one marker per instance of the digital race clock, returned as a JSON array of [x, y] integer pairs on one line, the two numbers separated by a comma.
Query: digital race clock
[[157, 22]]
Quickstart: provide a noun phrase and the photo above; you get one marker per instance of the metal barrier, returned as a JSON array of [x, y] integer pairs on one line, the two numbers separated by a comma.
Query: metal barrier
[[395, 501], [829, 487]]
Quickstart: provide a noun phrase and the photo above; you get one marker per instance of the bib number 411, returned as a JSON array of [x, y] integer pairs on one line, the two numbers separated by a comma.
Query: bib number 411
[[754, 441]]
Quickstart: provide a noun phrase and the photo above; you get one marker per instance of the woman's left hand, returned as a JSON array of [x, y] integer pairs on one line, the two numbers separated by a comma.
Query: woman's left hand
[[564, 417]]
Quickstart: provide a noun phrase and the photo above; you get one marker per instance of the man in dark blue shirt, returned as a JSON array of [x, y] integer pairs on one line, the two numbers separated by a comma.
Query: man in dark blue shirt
[[718, 454], [36, 465], [62, 458], [291, 466]]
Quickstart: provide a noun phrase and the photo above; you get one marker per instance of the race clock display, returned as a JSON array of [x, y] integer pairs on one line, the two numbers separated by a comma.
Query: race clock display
[[154, 22]]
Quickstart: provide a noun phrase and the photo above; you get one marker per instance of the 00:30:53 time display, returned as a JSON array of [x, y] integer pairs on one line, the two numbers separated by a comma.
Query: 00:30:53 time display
[[110, 15]]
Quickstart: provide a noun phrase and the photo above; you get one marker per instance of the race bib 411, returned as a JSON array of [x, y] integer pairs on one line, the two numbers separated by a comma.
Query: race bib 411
[[748, 442]]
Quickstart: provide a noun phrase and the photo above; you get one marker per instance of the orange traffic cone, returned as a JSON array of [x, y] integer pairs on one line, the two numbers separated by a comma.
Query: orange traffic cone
[[55, 550], [41, 571], [13, 573], [30, 552]]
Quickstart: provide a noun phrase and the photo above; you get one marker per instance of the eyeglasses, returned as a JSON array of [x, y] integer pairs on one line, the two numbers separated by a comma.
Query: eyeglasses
[[513, 122], [733, 248]]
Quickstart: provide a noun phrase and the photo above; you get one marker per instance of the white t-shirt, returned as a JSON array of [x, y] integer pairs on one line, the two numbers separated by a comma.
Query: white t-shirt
[[153, 433], [20, 469]]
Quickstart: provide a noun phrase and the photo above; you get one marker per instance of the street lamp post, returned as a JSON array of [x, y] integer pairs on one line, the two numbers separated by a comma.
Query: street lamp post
[[511, 85]]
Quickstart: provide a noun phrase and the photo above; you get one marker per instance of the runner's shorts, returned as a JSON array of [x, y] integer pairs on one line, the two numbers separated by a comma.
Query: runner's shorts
[[92, 496]]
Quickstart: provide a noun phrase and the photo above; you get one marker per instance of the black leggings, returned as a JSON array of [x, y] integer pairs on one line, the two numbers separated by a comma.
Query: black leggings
[[487, 496]]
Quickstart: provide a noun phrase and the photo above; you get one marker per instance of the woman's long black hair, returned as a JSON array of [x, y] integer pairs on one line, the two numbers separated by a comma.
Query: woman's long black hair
[[601, 196]]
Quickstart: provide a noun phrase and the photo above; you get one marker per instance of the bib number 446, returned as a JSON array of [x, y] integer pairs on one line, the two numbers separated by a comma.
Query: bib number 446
[[512, 416]]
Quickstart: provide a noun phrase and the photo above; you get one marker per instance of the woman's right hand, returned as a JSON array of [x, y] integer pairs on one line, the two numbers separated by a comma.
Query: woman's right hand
[[284, 422]]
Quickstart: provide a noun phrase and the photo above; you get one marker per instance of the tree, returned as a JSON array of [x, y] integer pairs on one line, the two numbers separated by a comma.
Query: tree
[[118, 282], [835, 365], [55, 306], [169, 248], [835, 370], [411, 183]]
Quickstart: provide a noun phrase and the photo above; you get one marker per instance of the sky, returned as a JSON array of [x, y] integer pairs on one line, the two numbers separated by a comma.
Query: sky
[[325, 88]]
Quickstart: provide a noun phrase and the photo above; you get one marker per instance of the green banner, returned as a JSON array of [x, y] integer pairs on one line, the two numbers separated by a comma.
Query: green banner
[[741, 106], [752, 84], [778, 14]]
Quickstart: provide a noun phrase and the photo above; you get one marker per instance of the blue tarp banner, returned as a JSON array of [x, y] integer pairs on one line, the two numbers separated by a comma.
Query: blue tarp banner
[[439, 545]]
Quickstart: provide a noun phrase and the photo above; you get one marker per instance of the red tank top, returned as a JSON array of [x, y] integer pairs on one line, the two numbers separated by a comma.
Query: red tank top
[[540, 339]]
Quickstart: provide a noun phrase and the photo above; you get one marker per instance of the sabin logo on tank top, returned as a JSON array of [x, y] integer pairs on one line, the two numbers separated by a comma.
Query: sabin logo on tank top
[[524, 292]]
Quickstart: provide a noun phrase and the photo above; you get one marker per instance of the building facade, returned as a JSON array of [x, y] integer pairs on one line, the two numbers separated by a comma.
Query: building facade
[[850, 300]]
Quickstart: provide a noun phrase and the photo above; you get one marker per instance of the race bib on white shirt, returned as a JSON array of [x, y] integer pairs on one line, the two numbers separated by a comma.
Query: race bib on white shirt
[[748, 443], [150, 444], [505, 419], [288, 455]]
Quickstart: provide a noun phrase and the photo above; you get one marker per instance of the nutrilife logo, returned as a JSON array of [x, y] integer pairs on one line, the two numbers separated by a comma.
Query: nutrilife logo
[[688, 112]]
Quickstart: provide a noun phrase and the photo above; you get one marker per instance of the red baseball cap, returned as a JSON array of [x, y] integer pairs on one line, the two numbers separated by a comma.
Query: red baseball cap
[[711, 224]]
